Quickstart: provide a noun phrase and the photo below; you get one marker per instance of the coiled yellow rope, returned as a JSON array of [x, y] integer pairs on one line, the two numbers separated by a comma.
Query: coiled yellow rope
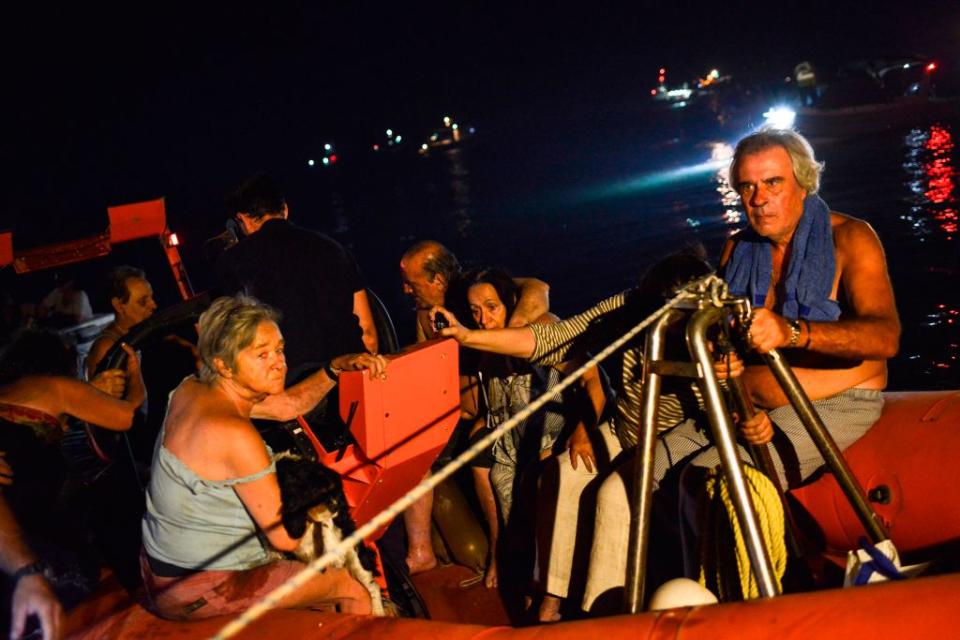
[[766, 502]]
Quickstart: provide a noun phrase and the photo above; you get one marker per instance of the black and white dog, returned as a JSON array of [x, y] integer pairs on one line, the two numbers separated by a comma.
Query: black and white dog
[[315, 510]]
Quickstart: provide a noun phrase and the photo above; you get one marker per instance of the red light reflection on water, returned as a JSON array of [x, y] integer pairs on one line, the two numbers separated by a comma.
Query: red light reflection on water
[[939, 171], [930, 162]]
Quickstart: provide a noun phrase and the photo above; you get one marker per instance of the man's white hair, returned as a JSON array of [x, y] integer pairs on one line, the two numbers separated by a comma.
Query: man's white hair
[[806, 168]]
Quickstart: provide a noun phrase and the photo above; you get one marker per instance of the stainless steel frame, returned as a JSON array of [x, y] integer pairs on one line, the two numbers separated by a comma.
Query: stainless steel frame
[[714, 308]]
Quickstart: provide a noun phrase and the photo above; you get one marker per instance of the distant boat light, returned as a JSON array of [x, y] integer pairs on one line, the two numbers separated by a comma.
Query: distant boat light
[[310, 163], [780, 117], [389, 133], [326, 161], [327, 147], [932, 66]]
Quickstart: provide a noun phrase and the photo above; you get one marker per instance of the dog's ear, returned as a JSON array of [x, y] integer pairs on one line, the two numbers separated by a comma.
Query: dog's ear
[[294, 523]]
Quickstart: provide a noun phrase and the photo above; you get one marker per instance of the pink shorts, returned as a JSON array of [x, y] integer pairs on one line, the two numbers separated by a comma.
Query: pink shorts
[[213, 593]]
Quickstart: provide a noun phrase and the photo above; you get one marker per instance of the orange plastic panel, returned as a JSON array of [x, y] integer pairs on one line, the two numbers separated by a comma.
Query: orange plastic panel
[[413, 411], [137, 220], [400, 424], [6, 248], [392, 483]]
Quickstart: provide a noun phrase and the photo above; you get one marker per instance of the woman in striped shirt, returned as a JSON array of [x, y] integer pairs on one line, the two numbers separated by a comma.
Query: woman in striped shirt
[[506, 386], [549, 344]]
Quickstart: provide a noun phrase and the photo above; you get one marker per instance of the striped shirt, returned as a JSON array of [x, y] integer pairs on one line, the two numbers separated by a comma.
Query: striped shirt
[[554, 342]]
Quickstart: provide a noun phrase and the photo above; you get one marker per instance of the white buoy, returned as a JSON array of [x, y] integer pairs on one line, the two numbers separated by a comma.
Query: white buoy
[[680, 592]]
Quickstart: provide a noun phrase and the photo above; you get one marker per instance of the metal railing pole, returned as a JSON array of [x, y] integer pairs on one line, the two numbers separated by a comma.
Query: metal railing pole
[[723, 438], [764, 462], [825, 443], [643, 469]]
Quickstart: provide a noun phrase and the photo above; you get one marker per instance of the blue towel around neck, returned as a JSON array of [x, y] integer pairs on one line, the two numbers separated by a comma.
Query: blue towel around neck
[[810, 271]]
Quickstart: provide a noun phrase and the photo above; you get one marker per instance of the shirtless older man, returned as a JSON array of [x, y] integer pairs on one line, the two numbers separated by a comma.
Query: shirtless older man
[[819, 286], [818, 281]]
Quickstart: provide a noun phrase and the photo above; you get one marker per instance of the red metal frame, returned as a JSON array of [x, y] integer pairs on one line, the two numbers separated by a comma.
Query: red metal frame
[[127, 222]]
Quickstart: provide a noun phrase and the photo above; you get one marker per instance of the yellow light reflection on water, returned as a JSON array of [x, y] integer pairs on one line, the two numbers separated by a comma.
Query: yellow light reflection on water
[[721, 153]]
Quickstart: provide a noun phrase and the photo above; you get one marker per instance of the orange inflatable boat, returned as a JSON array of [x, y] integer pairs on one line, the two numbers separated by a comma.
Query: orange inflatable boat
[[907, 463]]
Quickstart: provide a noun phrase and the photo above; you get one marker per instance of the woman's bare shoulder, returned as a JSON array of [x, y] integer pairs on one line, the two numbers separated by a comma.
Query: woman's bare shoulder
[[214, 441]]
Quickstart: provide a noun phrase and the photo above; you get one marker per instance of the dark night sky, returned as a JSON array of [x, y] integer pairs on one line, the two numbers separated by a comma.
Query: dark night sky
[[109, 105]]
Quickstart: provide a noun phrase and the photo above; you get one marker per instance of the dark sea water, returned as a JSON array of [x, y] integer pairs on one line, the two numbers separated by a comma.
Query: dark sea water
[[585, 196], [587, 211]]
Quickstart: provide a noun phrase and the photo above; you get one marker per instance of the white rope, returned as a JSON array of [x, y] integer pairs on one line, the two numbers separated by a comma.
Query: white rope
[[271, 600]]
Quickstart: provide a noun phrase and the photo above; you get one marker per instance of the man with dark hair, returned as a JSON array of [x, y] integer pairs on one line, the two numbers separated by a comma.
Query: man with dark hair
[[427, 270], [131, 297], [313, 280]]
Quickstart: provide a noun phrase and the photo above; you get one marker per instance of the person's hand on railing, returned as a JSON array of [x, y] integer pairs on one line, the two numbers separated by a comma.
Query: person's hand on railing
[[728, 365], [767, 331], [133, 360], [375, 364], [758, 429], [112, 382]]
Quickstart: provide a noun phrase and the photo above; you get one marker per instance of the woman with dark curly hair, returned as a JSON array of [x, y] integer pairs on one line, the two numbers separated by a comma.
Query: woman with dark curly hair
[[506, 386], [548, 344]]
